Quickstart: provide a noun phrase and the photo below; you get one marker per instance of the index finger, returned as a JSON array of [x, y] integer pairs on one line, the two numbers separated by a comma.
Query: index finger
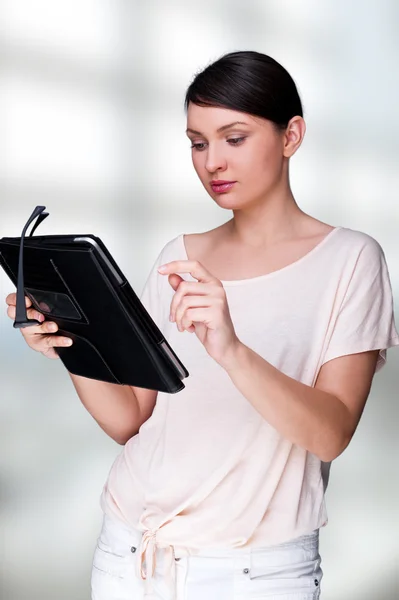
[[194, 267], [11, 300]]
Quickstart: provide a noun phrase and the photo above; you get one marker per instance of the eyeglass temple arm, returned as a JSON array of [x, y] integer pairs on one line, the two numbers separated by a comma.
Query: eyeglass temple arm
[[21, 317]]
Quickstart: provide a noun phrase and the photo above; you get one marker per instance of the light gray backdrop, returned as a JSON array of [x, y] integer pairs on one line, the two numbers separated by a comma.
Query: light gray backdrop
[[92, 126]]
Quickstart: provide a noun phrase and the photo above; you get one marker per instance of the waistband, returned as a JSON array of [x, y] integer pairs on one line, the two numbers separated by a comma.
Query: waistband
[[123, 535]]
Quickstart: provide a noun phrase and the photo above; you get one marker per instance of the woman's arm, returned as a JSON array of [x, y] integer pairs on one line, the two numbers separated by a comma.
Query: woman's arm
[[321, 419], [120, 410]]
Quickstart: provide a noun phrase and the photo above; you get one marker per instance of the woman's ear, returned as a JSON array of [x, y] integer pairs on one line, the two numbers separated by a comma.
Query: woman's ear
[[293, 135]]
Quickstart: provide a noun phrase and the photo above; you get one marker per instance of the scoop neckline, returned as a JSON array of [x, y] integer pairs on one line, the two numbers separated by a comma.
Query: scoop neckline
[[233, 282]]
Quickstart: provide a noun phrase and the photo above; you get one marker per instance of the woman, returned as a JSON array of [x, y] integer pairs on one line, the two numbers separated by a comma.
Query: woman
[[220, 495]]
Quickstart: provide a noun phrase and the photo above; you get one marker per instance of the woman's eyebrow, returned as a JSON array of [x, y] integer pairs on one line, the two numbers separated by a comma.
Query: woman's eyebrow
[[223, 128]]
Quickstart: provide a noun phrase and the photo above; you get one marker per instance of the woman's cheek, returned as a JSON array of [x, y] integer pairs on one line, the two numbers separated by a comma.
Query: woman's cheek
[[199, 167]]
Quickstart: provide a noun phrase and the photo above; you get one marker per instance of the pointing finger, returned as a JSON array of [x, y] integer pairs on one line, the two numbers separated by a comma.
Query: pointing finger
[[194, 267]]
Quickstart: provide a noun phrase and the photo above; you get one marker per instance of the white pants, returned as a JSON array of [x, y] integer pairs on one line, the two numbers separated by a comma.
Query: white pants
[[288, 571]]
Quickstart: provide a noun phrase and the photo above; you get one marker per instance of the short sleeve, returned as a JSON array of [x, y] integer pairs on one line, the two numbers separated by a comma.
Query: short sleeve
[[365, 320]]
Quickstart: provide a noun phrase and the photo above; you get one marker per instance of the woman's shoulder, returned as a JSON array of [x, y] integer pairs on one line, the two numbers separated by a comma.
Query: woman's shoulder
[[358, 240], [352, 238], [355, 251], [194, 243]]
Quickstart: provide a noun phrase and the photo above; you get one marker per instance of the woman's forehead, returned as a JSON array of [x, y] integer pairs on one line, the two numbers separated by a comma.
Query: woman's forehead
[[212, 118]]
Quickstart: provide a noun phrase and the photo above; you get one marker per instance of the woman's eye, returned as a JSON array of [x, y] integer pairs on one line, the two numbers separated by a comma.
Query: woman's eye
[[236, 141], [232, 141], [199, 146]]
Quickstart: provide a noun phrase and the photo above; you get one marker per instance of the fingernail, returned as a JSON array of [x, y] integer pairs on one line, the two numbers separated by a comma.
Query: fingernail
[[52, 327], [68, 342], [162, 269]]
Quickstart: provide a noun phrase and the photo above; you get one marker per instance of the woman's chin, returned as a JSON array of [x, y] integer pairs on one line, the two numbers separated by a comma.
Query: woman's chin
[[228, 200]]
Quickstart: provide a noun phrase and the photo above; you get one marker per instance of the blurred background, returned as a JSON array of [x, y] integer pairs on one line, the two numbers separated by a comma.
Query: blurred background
[[92, 126]]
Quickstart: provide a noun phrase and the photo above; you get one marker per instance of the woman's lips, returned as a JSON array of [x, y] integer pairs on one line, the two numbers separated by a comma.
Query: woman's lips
[[222, 187]]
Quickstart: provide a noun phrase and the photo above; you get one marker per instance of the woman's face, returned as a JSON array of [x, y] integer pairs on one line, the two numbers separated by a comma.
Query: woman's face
[[228, 145]]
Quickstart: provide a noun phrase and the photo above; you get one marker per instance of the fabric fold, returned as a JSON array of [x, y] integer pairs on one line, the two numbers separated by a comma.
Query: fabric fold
[[148, 561]]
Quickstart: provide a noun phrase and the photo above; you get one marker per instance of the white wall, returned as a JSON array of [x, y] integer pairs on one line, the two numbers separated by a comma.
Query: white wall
[[92, 126]]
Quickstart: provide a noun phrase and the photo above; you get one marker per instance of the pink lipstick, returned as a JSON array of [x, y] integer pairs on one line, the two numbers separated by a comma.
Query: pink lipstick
[[220, 186]]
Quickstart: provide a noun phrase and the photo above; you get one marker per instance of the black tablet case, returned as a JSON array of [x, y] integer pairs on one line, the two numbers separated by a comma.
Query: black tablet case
[[114, 337]]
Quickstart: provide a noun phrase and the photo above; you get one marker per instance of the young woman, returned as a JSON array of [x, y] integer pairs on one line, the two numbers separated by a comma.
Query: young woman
[[282, 321]]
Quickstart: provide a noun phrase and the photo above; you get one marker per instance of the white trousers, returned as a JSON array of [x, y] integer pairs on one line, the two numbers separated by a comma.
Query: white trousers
[[288, 571]]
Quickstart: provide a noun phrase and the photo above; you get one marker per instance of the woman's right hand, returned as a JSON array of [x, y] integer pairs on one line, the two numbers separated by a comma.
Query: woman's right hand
[[37, 336]]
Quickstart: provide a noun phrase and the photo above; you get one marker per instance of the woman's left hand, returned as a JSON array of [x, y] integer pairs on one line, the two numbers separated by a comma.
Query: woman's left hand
[[201, 307]]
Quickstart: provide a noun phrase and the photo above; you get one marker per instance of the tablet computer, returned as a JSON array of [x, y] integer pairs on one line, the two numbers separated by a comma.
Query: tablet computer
[[74, 280]]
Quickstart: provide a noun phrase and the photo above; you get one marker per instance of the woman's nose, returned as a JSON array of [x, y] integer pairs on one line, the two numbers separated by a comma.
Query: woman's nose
[[215, 159]]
